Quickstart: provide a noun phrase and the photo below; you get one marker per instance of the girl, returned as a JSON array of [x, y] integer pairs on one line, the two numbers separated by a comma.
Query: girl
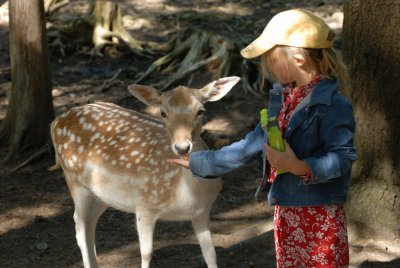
[[318, 127]]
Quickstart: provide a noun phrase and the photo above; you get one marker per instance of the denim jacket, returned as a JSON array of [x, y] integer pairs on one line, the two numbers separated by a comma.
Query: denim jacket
[[320, 131]]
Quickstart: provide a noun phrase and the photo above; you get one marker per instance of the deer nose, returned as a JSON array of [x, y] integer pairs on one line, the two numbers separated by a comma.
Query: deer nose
[[182, 148]]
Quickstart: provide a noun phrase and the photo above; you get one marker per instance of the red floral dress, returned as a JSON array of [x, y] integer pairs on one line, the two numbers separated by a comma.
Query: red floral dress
[[314, 236]]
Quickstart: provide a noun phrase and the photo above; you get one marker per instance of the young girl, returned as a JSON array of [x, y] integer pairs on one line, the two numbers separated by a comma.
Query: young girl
[[318, 127]]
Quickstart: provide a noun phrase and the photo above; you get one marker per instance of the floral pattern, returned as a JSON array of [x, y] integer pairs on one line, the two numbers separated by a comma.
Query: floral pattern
[[308, 237], [311, 236]]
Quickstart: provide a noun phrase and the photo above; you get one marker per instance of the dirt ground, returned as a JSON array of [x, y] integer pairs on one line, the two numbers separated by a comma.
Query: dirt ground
[[36, 226]]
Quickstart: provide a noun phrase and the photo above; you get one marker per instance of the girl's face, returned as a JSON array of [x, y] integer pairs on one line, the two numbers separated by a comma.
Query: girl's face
[[281, 65], [288, 65]]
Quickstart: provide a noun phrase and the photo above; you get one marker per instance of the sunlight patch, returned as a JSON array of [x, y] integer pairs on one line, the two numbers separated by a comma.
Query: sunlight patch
[[21, 217]]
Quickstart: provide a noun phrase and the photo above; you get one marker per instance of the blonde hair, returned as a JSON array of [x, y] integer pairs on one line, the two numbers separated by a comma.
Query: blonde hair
[[327, 61]]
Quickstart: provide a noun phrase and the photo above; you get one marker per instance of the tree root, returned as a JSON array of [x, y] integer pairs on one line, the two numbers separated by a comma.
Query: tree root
[[107, 83], [101, 26], [37, 154], [51, 6], [202, 51], [211, 53], [255, 87], [5, 70], [108, 28]]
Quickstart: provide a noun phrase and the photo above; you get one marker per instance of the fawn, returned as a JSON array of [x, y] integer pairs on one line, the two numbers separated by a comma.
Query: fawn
[[115, 157]]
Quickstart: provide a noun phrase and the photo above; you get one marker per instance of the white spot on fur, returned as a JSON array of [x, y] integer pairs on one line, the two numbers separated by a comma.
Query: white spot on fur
[[70, 163], [133, 153], [87, 126], [153, 162], [95, 136], [112, 142]]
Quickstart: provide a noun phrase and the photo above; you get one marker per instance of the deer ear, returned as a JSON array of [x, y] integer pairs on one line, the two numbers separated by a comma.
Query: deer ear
[[146, 94], [218, 88]]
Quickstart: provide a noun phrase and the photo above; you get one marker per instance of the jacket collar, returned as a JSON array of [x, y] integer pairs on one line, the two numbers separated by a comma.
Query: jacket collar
[[322, 93]]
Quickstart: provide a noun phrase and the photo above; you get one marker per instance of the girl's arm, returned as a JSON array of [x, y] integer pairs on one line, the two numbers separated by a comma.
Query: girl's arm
[[337, 133], [211, 164]]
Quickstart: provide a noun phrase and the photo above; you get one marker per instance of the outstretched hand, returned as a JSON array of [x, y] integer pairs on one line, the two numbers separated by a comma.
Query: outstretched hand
[[180, 162]]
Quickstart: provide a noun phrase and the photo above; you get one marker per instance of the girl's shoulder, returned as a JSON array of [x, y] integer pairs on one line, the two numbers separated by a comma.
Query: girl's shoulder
[[340, 98]]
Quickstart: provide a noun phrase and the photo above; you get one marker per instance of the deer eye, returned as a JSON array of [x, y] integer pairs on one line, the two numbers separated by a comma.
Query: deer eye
[[163, 114], [201, 112]]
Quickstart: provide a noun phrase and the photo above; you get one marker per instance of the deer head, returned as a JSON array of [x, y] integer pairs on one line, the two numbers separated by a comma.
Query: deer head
[[182, 109]]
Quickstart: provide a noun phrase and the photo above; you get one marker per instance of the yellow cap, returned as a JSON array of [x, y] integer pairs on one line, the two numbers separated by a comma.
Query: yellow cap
[[296, 28]]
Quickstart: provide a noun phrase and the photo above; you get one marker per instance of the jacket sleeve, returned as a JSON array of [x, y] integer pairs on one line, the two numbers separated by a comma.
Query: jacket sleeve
[[337, 133], [211, 164]]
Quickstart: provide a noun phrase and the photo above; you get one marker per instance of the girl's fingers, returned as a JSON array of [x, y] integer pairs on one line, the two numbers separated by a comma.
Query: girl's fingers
[[181, 162]]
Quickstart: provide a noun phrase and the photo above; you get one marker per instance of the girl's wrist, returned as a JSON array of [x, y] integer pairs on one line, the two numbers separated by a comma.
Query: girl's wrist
[[301, 168]]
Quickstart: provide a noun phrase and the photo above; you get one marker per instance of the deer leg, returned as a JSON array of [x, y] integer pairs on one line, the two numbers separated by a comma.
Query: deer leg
[[88, 210], [145, 223], [201, 226]]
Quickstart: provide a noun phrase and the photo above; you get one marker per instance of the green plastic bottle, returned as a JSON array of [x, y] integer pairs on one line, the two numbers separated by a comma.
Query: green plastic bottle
[[264, 119], [275, 137]]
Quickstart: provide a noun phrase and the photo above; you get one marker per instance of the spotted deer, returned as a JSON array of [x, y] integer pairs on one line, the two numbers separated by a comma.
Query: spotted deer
[[115, 157]]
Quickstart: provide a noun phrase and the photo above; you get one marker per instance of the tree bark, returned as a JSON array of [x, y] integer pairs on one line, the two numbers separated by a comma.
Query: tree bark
[[30, 109], [371, 48]]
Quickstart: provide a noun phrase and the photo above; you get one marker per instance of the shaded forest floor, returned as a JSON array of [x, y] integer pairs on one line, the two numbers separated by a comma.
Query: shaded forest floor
[[36, 226]]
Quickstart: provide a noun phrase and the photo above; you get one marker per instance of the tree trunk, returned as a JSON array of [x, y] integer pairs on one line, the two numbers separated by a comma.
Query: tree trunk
[[371, 49], [107, 18], [30, 109]]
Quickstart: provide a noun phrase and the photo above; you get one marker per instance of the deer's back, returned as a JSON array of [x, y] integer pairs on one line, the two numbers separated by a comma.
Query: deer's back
[[118, 154]]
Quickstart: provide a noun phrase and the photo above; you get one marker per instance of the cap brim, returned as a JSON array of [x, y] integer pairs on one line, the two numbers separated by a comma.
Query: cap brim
[[256, 48]]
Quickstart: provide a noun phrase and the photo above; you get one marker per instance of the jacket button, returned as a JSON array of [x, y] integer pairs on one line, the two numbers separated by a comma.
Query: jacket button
[[273, 200]]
